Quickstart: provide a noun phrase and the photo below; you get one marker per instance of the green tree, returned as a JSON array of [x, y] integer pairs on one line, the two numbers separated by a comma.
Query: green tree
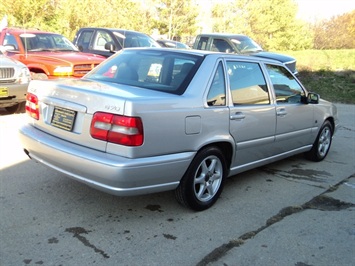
[[335, 33], [92, 13], [176, 18], [30, 14], [272, 23]]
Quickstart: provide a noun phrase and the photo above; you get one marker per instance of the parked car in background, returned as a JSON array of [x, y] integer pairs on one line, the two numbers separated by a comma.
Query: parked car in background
[[239, 44], [107, 41], [47, 55], [172, 44], [155, 119], [14, 80]]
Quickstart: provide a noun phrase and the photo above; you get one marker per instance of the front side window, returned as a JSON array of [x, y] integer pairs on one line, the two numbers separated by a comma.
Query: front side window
[[286, 87], [247, 83], [10, 40], [102, 37]]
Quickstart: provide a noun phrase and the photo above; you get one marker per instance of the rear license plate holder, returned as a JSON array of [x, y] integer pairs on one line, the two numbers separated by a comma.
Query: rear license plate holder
[[63, 118]]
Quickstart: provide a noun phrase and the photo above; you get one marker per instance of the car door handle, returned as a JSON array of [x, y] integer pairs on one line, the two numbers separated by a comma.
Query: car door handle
[[281, 112], [237, 116]]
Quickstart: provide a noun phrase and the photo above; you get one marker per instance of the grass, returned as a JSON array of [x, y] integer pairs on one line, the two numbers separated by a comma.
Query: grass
[[330, 73]]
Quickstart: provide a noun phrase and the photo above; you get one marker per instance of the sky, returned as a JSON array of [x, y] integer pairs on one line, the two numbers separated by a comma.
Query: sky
[[313, 10]]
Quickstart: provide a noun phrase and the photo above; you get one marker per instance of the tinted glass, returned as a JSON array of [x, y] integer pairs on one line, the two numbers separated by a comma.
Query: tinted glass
[[10, 40], [247, 83], [221, 45], [156, 70], [46, 41], [286, 87], [217, 93], [132, 39]]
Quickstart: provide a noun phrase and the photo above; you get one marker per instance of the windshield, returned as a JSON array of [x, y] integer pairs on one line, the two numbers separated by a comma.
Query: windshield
[[129, 39], [46, 42], [152, 69], [246, 45]]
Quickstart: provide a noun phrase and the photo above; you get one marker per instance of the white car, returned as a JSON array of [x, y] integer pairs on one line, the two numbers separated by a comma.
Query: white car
[[14, 80], [154, 119]]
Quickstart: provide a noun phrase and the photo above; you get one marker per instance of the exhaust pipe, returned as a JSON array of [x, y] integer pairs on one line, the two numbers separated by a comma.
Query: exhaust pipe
[[27, 153]]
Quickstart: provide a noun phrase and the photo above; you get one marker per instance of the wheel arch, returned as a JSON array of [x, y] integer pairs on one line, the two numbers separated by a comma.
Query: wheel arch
[[225, 147], [332, 122]]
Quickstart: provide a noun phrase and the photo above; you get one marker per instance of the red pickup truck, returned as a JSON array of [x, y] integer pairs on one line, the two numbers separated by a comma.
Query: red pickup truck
[[47, 55]]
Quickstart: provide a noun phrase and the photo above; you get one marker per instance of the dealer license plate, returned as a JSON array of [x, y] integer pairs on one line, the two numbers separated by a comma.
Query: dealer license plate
[[4, 92], [63, 118]]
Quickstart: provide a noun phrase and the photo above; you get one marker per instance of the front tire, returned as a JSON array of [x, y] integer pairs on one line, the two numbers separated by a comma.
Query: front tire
[[321, 145], [203, 181]]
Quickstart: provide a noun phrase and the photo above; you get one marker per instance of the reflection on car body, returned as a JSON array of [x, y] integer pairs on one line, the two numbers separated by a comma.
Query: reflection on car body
[[154, 119]]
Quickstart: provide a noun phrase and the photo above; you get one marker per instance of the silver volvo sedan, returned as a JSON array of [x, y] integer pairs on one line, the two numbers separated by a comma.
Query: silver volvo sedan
[[151, 119]]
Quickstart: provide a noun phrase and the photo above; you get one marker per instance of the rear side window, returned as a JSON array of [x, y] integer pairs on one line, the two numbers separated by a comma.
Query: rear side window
[[217, 93], [247, 83], [156, 70], [84, 39], [202, 43]]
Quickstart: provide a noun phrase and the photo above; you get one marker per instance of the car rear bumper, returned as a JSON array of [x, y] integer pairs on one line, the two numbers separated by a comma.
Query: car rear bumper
[[16, 93], [106, 172]]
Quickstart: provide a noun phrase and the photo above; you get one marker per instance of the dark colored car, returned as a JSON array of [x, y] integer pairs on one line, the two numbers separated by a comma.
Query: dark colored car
[[107, 41], [239, 44]]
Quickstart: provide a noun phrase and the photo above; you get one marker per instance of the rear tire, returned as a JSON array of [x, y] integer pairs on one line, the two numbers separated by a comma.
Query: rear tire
[[321, 145], [203, 181]]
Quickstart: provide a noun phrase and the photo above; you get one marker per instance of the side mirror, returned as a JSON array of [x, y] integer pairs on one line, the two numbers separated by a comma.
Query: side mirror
[[110, 46], [311, 98]]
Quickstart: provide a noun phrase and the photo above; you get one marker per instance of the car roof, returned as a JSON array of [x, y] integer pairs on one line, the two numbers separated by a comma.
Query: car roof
[[114, 29]]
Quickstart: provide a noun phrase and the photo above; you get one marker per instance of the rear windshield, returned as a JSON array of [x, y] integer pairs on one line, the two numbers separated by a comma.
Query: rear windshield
[[165, 71]]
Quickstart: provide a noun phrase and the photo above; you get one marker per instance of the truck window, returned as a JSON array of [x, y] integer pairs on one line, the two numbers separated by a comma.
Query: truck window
[[84, 39], [202, 43], [101, 38], [10, 40], [221, 45]]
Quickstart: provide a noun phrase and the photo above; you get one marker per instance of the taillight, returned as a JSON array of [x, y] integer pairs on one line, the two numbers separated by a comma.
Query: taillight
[[32, 107], [118, 129]]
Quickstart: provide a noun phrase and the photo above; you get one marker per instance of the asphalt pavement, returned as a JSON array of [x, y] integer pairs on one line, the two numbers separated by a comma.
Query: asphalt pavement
[[293, 212]]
